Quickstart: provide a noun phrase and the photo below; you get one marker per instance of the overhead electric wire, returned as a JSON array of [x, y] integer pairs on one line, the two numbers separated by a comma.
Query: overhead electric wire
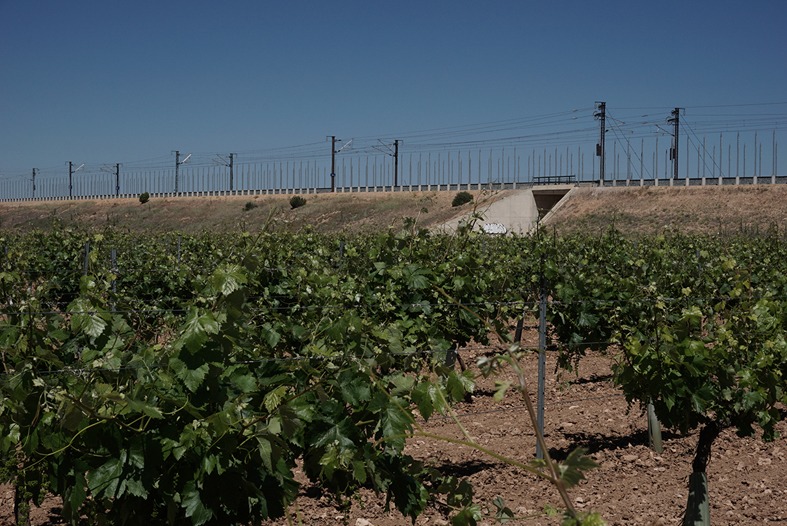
[[529, 132], [628, 146], [784, 103], [474, 128], [696, 145]]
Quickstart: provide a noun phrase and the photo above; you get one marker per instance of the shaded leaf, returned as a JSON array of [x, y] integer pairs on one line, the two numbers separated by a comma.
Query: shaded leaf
[[194, 506], [573, 469]]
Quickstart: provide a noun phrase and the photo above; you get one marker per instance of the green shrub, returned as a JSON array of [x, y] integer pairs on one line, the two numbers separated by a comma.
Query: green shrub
[[144, 197], [297, 201], [462, 198]]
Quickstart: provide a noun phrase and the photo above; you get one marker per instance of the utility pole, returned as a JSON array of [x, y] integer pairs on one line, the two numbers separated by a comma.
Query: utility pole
[[117, 179], [334, 151], [601, 115], [177, 167], [333, 162], [232, 175], [673, 153], [178, 162], [71, 172], [396, 163], [34, 182], [220, 159]]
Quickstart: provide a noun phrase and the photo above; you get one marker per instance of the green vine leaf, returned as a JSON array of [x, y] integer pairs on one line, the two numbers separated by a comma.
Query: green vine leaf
[[191, 378], [274, 398], [195, 508], [105, 480], [228, 279], [198, 327], [85, 318], [573, 469]]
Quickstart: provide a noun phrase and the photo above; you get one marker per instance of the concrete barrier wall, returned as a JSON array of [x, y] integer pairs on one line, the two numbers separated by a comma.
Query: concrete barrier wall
[[517, 212]]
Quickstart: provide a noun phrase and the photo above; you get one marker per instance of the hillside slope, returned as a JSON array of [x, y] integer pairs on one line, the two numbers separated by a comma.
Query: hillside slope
[[634, 210], [358, 212], [694, 209]]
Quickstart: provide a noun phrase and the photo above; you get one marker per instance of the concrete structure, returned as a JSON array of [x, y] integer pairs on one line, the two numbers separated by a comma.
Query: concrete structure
[[518, 212]]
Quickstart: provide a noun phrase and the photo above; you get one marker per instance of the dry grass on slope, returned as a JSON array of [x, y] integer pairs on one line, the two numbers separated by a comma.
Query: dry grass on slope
[[640, 211], [357, 212]]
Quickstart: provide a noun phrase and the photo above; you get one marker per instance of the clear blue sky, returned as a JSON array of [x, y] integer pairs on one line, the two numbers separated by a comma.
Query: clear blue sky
[[105, 82]]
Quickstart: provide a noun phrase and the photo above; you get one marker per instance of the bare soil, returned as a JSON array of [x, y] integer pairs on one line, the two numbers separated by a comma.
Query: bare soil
[[357, 212], [745, 209], [633, 485], [741, 209]]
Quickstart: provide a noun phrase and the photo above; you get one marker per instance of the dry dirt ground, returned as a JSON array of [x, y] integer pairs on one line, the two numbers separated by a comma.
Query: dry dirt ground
[[633, 485], [357, 212], [741, 209], [633, 210]]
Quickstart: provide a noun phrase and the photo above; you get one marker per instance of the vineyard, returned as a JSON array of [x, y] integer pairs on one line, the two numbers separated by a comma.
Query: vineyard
[[192, 379]]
